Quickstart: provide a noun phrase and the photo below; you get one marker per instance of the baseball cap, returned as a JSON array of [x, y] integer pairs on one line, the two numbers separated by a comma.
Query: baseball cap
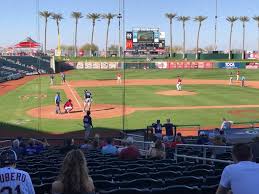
[[8, 157]]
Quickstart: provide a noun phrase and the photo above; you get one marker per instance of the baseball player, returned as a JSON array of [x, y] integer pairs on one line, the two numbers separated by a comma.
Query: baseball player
[[51, 79], [238, 75], [179, 83], [63, 78], [88, 125], [13, 180], [87, 100], [231, 78], [57, 102], [118, 78]]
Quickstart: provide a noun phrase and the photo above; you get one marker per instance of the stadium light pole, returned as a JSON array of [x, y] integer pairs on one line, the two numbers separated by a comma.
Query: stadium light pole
[[124, 72], [119, 17], [216, 23]]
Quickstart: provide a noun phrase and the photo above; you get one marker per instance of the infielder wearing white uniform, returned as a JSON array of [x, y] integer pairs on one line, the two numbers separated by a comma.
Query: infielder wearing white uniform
[[179, 84], [87, 100], [118, 78], [13, 181]]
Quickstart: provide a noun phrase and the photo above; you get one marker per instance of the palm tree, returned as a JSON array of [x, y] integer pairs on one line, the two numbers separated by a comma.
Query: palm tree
[[171, 16], [108, 17], [76, 16], [58, 17], [232, 20], [244, 19], [93, 17], [45, 15], [183, 19], [199, 19], [256, 18]]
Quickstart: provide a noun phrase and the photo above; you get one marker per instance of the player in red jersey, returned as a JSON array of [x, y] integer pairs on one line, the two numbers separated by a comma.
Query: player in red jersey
[[118, 78], [179, 83]]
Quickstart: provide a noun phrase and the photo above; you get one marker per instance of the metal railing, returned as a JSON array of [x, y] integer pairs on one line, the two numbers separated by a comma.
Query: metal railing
[[204, 151], [7, 144]]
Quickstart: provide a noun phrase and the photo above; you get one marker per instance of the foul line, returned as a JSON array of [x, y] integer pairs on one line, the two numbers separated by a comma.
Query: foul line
[[74, 96]]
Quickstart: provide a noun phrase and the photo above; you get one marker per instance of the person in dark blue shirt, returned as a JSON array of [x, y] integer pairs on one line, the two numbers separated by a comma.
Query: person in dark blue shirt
[[158, 129], [169, 129]]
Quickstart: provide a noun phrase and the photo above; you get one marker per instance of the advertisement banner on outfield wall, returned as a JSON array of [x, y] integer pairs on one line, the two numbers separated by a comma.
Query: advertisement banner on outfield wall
[[252, 66], [231, 65], [97, 65], [190, 65], [161, 65]]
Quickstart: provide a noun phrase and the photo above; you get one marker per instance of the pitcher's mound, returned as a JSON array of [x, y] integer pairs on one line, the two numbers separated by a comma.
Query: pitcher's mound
[[176, 93]]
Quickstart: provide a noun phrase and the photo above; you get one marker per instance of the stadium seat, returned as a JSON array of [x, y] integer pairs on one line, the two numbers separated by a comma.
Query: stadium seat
[[105, 185], [142, 170], [143, 183], [185, 180], [209, 189], [165, 174], [130, 176], [199, 172], [43, 189], [177, 189], [126, 191], [101, 177], [212, 180]]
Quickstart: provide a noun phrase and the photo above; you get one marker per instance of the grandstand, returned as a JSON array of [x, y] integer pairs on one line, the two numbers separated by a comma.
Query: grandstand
[[15, 67]]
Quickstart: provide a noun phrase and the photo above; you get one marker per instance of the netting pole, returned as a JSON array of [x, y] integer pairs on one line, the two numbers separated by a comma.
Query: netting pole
[[38, 63]]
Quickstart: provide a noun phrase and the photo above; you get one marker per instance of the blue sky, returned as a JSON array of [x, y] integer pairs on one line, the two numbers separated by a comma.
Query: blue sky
[[18, 20]]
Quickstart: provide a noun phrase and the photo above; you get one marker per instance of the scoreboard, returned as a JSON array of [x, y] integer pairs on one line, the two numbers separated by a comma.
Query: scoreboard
[[145, 39]]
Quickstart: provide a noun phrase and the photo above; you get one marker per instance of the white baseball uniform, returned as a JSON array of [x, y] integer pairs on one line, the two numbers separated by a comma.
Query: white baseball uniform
[[14, 181]]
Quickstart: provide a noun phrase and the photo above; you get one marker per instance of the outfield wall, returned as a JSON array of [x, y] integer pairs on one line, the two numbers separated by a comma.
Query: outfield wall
[[164, 65]]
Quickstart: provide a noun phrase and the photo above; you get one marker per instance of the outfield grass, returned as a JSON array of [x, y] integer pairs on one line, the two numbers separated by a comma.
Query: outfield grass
[[207, 95], [221, 74], [15, 105]]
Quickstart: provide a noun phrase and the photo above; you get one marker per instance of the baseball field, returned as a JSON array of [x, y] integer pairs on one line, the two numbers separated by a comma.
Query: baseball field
[[150, 95]]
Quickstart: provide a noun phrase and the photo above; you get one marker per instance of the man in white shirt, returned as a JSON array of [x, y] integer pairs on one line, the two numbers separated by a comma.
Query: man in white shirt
[[241, 177], [13, 180]]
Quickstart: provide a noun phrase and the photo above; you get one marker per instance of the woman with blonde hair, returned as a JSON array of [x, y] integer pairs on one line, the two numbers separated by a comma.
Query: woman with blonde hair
[[73, 178]]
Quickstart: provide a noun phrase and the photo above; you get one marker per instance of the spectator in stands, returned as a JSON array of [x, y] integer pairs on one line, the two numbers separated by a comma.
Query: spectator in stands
[[203, 138], [214, 133], [87, 145], [69, 145], [96, 142], [45, 143], [217, 141], [158, 151], [255, 149], [166, 142], [109, 148], [178, 140], [16, 147], [180, 135], [158, 129], [169, 129], [226, 125], [13, 179], [241, 177], [32, 148], [130, 152], [74, 177], [122, 146]]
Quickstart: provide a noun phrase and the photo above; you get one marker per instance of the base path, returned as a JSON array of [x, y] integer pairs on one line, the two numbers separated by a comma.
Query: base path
[[100, 111], [6, 87]]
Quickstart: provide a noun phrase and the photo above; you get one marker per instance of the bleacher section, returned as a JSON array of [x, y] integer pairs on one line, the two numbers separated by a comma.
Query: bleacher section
[[112, 175], [28, 65]]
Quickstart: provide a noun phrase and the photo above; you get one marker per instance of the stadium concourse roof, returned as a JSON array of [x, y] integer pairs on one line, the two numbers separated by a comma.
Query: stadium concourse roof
[[27, 43]]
